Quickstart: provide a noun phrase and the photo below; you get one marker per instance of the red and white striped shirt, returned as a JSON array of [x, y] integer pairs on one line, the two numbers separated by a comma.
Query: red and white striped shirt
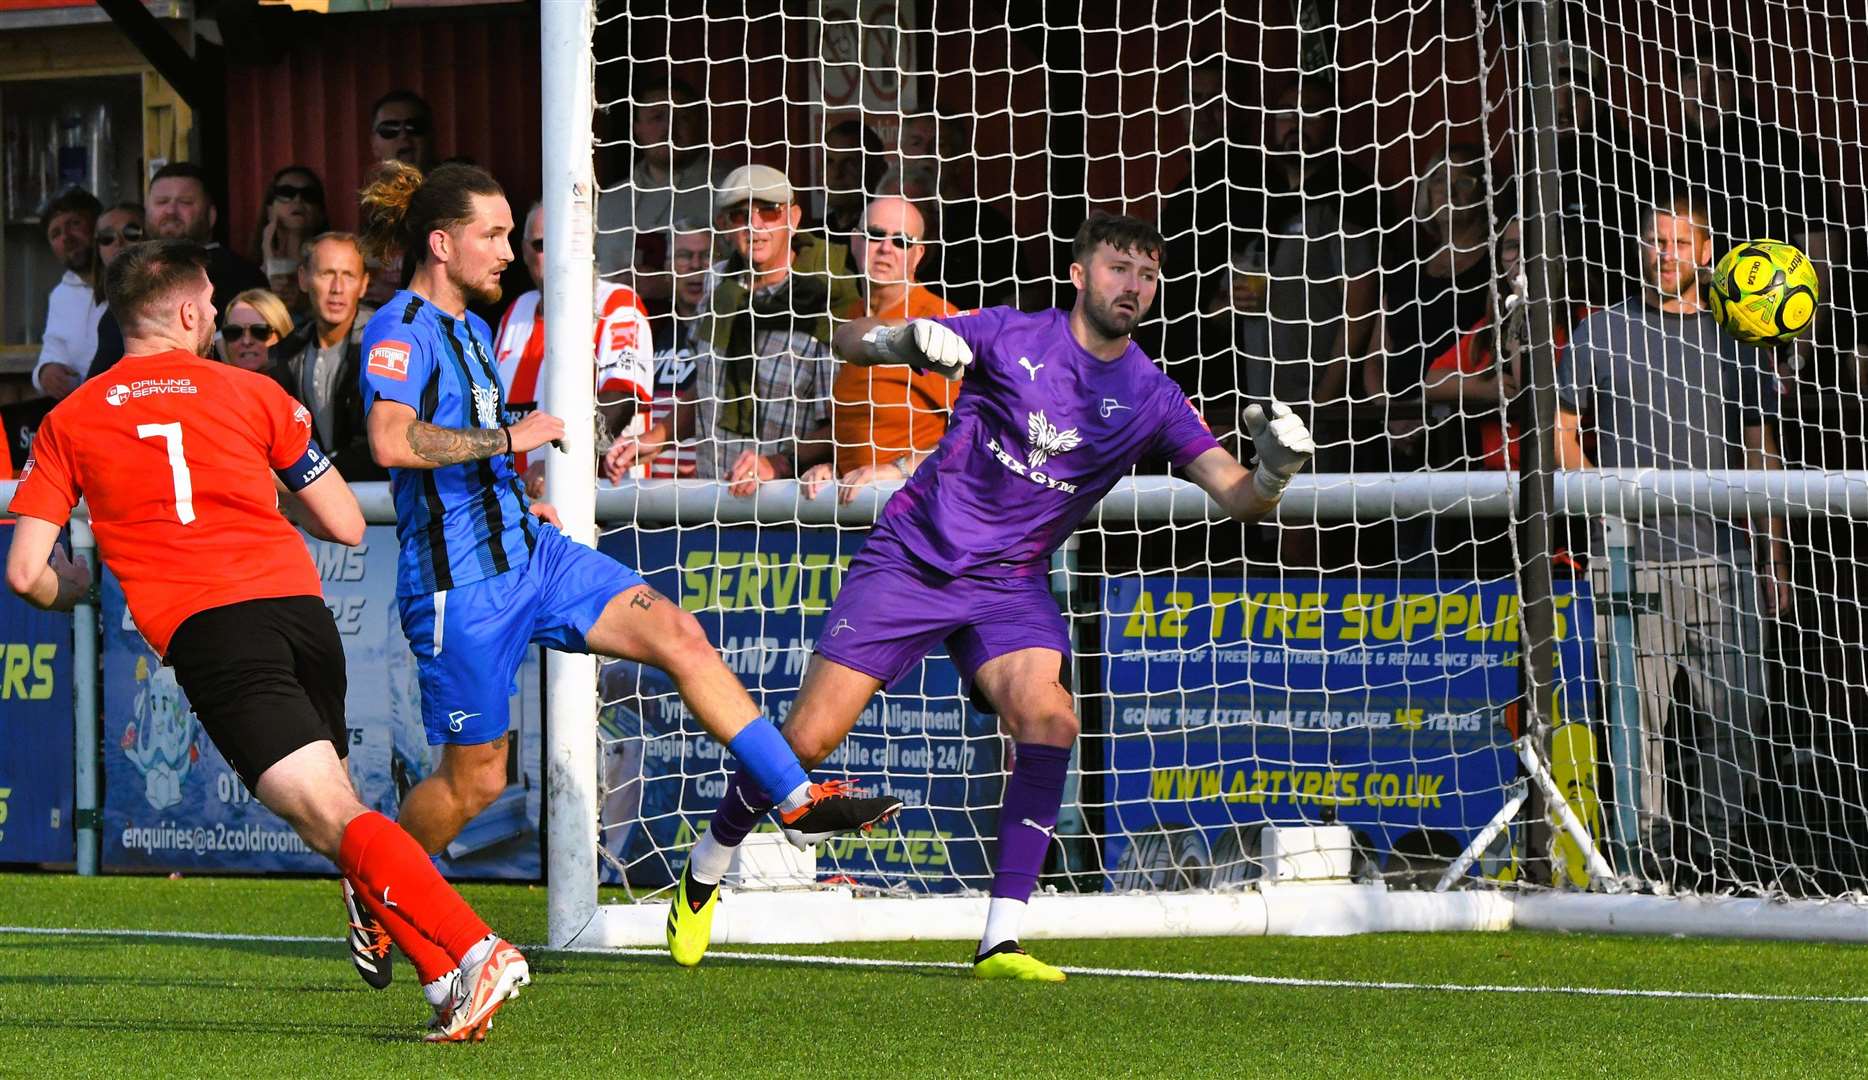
[[624, 354]]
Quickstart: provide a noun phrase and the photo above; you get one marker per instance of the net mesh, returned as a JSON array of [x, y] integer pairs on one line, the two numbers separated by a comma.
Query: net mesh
[[1342, 198]]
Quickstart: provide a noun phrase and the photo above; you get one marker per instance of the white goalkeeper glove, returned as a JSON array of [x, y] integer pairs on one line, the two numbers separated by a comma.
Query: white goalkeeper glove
[[922, 344], [1283, 444]]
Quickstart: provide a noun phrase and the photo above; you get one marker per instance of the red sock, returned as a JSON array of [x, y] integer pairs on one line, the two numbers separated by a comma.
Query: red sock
[[430, 961], [392, 871]]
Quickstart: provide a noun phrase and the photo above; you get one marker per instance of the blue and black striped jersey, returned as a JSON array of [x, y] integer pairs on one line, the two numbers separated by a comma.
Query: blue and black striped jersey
[[457, 524]]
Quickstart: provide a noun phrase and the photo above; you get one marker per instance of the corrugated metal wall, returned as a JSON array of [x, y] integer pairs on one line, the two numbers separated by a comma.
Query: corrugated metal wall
[[478, 70]]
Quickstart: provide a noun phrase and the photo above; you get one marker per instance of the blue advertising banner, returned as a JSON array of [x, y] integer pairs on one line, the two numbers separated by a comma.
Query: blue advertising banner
[[761, 594], [36, 765], [1384, 706], [172, 802]]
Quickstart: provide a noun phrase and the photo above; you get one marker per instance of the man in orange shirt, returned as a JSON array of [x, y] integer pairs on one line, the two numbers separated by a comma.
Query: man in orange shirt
[[182, 461], [884, 419]]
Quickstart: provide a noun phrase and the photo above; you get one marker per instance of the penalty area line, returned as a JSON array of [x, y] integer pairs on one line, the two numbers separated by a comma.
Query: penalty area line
[[822, 960]]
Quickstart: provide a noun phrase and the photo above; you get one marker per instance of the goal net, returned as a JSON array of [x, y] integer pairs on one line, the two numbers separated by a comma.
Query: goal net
[[1454, 253]]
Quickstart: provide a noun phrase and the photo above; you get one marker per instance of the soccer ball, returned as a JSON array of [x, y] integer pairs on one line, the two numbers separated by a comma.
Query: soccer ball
[[1764, 292]]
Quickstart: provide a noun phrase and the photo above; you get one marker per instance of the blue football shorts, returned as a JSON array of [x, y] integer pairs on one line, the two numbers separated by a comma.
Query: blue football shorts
[[469, 641]]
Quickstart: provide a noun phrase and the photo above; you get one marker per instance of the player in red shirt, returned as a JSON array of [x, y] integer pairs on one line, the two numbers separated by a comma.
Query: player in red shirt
[[182, 461]]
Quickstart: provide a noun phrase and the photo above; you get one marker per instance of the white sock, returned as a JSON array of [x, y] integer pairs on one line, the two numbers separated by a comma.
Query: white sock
[[798, 797], [710, 859], [480, 951], [441, 991], [1004, 916]]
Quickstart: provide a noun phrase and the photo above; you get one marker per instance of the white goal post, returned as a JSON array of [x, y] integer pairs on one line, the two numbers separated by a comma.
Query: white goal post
[[1322, 724]]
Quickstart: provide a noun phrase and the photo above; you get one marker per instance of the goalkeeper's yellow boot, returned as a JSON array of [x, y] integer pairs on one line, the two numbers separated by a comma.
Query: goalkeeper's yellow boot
[[690, 920], [1007, 961]]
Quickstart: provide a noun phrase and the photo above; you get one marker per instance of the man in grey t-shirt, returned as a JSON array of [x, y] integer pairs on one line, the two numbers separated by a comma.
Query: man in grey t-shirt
[[1661, 387]]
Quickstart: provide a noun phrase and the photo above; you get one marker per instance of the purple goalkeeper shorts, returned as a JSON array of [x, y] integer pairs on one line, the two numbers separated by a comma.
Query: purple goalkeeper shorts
[[893, 609]]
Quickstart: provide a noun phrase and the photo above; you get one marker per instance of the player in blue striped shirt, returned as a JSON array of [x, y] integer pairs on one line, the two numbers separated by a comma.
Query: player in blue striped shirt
[[482, 573]]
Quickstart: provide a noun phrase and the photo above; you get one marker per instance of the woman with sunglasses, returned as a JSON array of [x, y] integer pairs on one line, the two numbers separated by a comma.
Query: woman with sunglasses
[[292, 213], [255, 322]]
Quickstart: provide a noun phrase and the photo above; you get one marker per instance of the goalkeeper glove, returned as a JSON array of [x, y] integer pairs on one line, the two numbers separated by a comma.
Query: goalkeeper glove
[[1283, 444], [924, 345]]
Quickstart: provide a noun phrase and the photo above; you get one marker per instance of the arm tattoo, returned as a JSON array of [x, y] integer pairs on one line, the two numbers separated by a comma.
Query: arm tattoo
[[451, 446], [646, 598]]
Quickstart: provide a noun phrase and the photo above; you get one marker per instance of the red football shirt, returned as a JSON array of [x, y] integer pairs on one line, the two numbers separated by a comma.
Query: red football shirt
[[175, 455]]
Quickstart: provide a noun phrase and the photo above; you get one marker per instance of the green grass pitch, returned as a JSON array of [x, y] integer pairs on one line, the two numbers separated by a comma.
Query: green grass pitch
[[124, 1006]]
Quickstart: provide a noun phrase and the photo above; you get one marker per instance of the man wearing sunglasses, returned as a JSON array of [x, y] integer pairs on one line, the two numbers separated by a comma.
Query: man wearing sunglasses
[[885, 419], [73, 309], [402, 129], [763, 369]]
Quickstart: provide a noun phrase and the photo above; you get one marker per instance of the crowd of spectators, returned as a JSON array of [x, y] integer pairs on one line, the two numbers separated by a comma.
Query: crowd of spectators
[[1391, 316]]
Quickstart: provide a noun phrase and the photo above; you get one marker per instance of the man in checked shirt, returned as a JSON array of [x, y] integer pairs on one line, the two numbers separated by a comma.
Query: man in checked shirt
[[763, 369]]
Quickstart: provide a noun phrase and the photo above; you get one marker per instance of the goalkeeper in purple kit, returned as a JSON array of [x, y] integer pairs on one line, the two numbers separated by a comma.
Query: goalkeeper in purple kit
[[1056, 407]]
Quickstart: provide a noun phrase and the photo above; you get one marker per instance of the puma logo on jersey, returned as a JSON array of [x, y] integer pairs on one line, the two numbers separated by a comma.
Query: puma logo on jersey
[[1025, 362], [842, 625], [1110, 405], [390, 360]]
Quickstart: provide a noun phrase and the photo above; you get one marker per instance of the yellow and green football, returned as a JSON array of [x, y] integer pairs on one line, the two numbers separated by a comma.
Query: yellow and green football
[[1764, 292]]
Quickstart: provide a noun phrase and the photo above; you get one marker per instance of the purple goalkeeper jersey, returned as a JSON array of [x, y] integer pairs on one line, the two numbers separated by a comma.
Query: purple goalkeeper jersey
[[1041, 431]]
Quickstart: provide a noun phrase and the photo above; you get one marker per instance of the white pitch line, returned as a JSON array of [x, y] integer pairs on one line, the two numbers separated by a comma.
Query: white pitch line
[[819, 960]]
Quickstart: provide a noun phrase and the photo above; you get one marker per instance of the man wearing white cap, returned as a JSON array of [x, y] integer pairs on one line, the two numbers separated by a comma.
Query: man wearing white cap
[[763, 369]]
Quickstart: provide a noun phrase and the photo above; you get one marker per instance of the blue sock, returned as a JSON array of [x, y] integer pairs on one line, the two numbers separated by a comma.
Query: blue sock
[[764, 753]]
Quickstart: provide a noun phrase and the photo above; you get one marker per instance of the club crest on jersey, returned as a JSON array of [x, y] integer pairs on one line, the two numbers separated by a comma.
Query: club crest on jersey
[[1046, 442], [390, 360], [486, 406]]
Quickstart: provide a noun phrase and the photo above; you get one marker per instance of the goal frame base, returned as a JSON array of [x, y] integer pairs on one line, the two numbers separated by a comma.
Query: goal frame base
[[828, 916], [824, 916]]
